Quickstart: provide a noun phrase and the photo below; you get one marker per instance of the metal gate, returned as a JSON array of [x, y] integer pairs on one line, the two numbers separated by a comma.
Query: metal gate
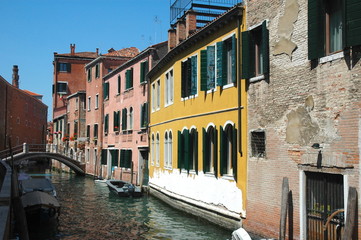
[[325, 206]]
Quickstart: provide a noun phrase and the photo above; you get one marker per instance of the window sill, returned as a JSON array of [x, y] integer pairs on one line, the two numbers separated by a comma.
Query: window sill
[[332, 57], [228, 177], [210, 174], [143, 83], [189, 97], [211, 90], [168, 168], [96, 108], [256, 79], [169, 104], [128, 90], [228, 86]]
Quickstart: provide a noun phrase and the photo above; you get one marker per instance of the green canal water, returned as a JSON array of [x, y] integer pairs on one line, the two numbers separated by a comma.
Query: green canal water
[[90, 211]]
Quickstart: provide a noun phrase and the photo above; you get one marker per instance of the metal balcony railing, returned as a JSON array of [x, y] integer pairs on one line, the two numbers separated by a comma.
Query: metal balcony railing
[[206, 10]]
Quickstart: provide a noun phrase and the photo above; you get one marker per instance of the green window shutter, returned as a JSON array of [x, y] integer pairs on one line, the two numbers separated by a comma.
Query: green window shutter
[[104, 91], [248, 58], [193, 90], [104, 156], [146, 114], [118, 84], [224, 65], [234, 59], [196, 151], [127, 79], [189, 77], [114, 154], [122, 157], [215, 152], [220, 64], [131, 77], [223, 151], [180, 150], [107, 88], [353, 23], [234, 153], [124, 127], [211, 67], [68, 67], [205, 151], [186, 158], [106, 122], [184, 79], [142, 115], [57, 66], [142, 72], [128, 159], [204, 70], [265, 47], [316, 29], [114, 120]]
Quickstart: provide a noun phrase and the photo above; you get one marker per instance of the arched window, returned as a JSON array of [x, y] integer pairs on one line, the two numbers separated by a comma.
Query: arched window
[[210, 150], [166, 156], [157, 150], [170, 149], [152, 150], [228, 151], [193, 150]]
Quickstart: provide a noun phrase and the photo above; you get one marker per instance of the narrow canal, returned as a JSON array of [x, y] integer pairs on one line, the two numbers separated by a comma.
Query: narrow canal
[[90, 211]]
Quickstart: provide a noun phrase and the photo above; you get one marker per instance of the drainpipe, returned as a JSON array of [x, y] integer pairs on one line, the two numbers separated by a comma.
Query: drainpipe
[[6, 115], [239, 20]]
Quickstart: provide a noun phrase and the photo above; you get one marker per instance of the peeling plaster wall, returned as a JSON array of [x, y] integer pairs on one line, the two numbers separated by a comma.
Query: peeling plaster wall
[[206, 191]]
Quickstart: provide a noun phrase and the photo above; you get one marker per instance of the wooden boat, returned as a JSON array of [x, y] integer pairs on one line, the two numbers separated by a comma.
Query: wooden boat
[[40, 206], [124, 189]]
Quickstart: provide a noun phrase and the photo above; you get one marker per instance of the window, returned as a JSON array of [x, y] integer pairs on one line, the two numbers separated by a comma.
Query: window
[[97, 70], [114, 154], [188, 150], [130, 118], [124, 119], [157, 154], [106, 90], [226, 61], [64, 67], [258, 143], [95, 131], [62, 87], [152, 149], [119, 81], [129, 79], [168, 90], [76, 104], [96, 101], [116, 121], [89, 74], [125, 158], [210, 150], [332, 25], [88, 131], [106, 124], [75, 133], [144, 68], [89, 102], [255, 52], [158, 95], [189, 77], [168, 145], [208, 69], [153, 92], [228, 150], [144, 115]]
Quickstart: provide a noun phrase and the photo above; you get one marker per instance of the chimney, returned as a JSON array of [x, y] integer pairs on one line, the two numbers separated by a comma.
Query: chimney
[[171, 39], [111, 50], [191, 22], [15, 76], [72, 49], [181, 31], [97, 50]]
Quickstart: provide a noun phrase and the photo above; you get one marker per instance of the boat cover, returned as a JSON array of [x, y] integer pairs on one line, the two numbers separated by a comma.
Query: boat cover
[[40, 184], [39, 198]]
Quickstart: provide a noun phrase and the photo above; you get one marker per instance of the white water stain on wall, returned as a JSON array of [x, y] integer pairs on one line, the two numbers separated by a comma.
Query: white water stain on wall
[[206, 190]]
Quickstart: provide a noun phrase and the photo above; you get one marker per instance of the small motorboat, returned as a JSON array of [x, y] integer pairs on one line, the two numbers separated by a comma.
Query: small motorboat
[[40, 206], [124, 189]]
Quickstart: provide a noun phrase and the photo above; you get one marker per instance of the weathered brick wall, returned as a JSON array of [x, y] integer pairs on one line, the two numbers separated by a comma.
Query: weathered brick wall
[[327, 99]]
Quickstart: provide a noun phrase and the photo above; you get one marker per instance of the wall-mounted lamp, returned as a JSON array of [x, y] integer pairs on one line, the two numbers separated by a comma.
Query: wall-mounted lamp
[[319, 155]]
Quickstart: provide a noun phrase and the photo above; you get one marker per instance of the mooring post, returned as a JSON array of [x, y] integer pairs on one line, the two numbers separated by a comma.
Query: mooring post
[[25, 148], [284, 207]]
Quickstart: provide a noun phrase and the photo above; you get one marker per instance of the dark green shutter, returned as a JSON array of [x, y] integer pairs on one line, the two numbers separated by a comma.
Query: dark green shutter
[[142, 115], [124, 119], [118, 120], [142, 72], [224, 64], [247, 58], [189, 77], [122, 158], [106, 122], [145, 114], [180, 150], [234, 59], [131, 77], [187, 153], [114, 120], [118, 84], [220, 64], [68, 67], [234, 153], [215, 152], [205, 151], [127, 79], [316, 29], [57, 66], [193, 86], [196, 151], [104, 157], [114, 154], [203, 70], [265, 47], [129, 158], [184, 79], [353, 22], [223, 151]]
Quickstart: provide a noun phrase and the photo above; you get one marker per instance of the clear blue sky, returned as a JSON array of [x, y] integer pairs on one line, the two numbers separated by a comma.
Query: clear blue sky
[[32, 30]]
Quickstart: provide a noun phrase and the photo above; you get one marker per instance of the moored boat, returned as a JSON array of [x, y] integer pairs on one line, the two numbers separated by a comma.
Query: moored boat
[[124, 189], [36, 184]]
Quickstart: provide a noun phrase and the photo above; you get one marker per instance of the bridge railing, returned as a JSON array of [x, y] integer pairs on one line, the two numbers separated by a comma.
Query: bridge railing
[[7, 152]]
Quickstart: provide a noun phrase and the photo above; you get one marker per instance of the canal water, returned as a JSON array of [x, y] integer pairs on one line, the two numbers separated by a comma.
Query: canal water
[[90, 211]]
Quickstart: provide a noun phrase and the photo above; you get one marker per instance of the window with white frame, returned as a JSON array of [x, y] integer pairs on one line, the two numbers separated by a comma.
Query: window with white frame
[[170, 149], [152, 157], [166, 150], [89, 102], [168, 89], [189, 76], [157, 155], [158, 94], [131, 118], [97, 101]]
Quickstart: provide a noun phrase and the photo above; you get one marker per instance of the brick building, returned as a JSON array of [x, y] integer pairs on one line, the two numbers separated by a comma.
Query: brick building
[[69, 77], [303, 114], [23, 117]]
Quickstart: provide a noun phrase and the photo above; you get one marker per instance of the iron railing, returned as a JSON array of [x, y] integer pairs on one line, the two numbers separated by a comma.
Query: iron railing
[[207, 8]]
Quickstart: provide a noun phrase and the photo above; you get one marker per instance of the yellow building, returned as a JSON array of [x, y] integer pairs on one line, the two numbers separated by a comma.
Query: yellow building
[[197, 125]]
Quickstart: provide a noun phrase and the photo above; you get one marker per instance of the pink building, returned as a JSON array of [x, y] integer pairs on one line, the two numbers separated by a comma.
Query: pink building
[[95, 71], [125, 139]]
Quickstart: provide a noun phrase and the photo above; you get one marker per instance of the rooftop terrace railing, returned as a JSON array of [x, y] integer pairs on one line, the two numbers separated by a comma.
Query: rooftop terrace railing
[[212, 7]]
